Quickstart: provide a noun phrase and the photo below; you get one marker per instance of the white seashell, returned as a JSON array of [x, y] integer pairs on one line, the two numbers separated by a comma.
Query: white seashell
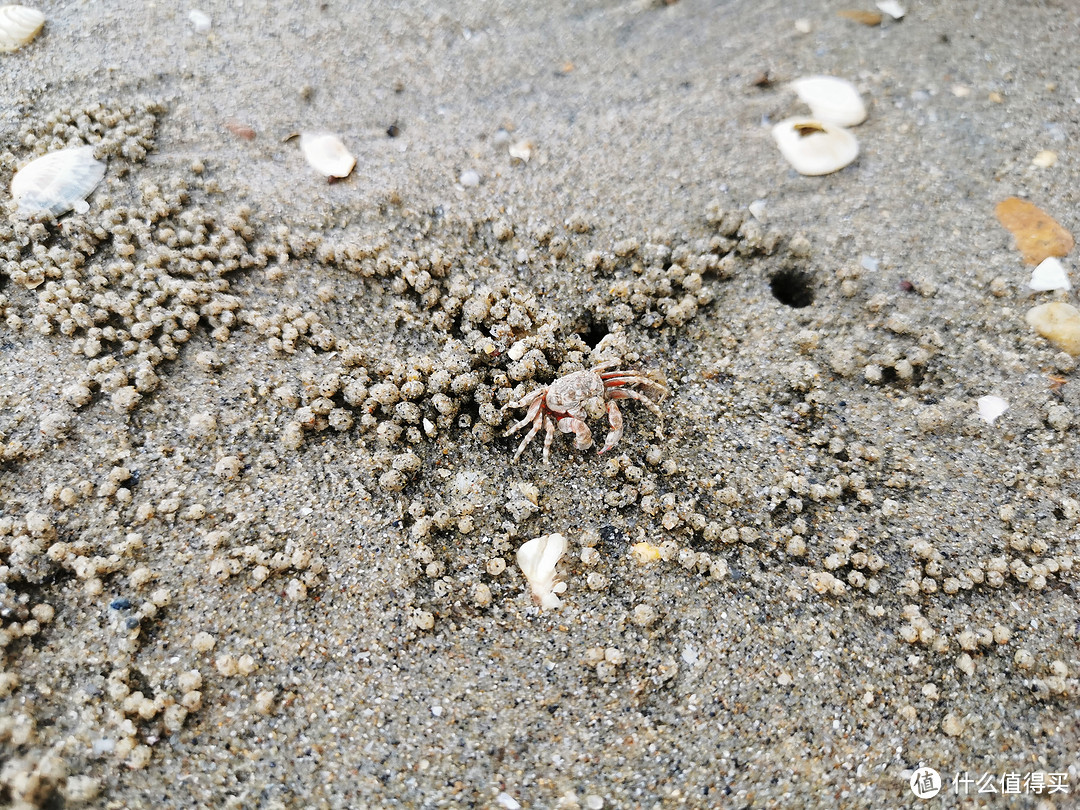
[[815, 147], [1049, 275], [58, 182], [327, 154], [991, 407], [830, 99], [18, 25], [522, 150], [892, 8], [537, 559], [200, 21]]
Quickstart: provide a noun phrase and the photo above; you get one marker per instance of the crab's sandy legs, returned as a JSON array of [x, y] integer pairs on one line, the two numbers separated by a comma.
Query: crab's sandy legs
[[549, 424], [629, 393], [617, 379], [533, 415]]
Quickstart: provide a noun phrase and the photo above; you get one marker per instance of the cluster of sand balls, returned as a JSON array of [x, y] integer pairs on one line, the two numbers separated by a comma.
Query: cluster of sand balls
[[501, 342], [117, 131], [127, 284]]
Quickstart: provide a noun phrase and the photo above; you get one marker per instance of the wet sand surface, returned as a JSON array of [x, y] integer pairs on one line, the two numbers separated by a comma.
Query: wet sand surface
[[259, 518]]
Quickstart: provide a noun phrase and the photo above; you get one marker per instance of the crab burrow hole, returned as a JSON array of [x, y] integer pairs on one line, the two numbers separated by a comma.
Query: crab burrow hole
[[793, 288]]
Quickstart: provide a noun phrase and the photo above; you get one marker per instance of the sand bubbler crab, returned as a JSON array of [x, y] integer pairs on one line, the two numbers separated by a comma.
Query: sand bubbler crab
[[568, 400]]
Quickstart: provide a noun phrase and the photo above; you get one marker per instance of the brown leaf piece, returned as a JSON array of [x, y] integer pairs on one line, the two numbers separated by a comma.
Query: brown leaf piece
[[860, 16], [240, 130], [1038, 236]]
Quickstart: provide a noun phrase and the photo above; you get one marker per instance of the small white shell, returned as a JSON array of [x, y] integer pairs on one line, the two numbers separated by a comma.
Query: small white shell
[[200, 21], [537, 559], [892, 8], [18, 25], [327, 154], [58, 182], [830, 99], [815, 147], [991, 407], [1049, 275], [522, 150]]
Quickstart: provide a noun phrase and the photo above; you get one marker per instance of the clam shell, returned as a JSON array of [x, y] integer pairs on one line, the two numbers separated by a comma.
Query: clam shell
[[18, 25], [327, 154], [58, 182], [831, 99], [815, 147]]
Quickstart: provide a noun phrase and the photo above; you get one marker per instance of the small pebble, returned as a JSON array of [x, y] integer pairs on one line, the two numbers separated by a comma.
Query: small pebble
[[264, 701], [200, 21], [1059, 417], [1057, 322]]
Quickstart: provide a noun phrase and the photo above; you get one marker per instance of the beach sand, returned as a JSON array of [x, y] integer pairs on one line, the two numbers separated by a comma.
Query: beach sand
[[259, 519]]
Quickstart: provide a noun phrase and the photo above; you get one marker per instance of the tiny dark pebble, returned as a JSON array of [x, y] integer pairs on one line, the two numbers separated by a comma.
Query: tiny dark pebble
[[120, 604], [131, 622], [393, 131], [612, 536]]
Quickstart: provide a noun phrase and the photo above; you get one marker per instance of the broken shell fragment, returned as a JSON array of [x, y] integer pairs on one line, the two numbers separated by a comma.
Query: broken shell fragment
[[1049, 275], [18, 25], [991, 407], [537, 559], [892, 8], [200, 21], [1037, 234], [815, 147], [58, 182], [1059, 323], [831, 99], [521, 151], [326, 154], [870, 18]]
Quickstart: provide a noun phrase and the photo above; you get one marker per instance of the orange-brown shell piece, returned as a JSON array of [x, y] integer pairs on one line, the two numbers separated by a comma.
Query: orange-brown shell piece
[[1038, 235], [870, 18]]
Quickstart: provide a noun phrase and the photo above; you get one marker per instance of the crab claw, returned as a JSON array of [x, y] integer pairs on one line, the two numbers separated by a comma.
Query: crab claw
[[614, 416], [583, 436]]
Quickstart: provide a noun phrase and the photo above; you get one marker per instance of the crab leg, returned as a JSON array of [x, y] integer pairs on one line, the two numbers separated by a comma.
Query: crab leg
[[629, 393], [614, 416], [527, 400], [530, 416], [536, 423], [583, 436], [549, 424], [620, 378], [606, 364]]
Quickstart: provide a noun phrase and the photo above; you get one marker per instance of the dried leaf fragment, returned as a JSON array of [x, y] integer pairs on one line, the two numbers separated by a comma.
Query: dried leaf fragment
[[1037, 234], [862, 17], [240, 130]]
